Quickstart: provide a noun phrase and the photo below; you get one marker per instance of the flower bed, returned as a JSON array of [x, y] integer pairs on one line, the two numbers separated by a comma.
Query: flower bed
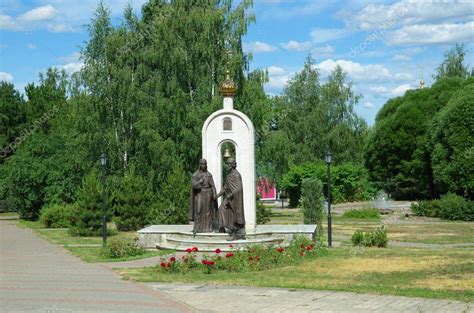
[[252, 258]]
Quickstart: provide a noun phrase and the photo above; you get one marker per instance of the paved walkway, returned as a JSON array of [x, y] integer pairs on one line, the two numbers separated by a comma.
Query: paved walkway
[[222, 299], [37, 276]]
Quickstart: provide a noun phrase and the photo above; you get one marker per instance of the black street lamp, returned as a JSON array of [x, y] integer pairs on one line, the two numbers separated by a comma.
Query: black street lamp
[[328, 162], [103, 163]]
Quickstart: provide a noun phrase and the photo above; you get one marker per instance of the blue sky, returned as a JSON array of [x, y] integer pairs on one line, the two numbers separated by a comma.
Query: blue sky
[[385, 46]]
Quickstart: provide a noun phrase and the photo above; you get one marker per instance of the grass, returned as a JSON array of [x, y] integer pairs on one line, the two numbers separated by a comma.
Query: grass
[[88, 249], [366, 213], [442, 274], [8, 214]]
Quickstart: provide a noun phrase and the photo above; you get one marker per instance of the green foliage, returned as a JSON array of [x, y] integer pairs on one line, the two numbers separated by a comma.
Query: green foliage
[[449, 206], [122, 247], [397, 154], [251, 259], [312, 202], [452, 144], [263, 213], [131, 211], [87, 217], [453, 64], [349, 182], [374, 238], [57, 215], [362, 213]]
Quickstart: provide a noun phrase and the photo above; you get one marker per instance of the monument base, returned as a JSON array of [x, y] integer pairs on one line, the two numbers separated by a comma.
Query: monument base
[[180, 237]]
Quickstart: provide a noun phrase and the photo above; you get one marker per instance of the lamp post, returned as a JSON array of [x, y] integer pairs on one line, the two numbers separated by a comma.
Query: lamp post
[[103, 163], [328, 162]]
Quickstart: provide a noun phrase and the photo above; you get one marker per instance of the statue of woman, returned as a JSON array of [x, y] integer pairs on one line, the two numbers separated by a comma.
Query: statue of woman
[[203, 204]]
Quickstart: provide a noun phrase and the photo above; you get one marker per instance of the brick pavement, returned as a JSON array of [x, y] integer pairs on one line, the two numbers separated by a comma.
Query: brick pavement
[[208, 298], [37, 276]]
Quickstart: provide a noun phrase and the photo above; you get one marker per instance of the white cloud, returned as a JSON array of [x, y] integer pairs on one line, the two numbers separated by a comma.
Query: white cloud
[[432, 34], [319, 35], [257, 46], [73, 63], [403, 76], [73, 57], [277, 83], [357, 71], [31, 46], [401, 57], [409, 12], [324, 51], [275, 71], [391, 92], [7, 77], [293, 45], [43, 13], [368, 105]]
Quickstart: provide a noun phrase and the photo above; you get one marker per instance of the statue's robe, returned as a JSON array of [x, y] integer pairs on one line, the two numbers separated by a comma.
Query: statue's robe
[[231, 211], [202, 206]]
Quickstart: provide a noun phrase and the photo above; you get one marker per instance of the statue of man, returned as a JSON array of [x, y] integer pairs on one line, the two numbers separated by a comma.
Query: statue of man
[[203, 204], [231, 211]]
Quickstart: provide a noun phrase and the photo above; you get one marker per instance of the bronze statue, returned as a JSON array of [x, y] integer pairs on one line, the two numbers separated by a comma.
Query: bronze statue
[[203, 204], [231, 211]]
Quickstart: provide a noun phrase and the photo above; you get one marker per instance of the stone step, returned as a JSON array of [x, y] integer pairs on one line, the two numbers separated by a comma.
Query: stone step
[[209, 245], [215, 236]]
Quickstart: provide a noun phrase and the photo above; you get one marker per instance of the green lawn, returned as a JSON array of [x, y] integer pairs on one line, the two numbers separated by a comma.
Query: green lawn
[[87, 248], [442, 273]]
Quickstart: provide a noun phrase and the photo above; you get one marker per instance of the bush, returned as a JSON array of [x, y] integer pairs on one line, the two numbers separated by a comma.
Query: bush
[[130, 208], [86, 219], [263, 213], [250, 259], [362, 213], [57, 216], [374, 238], [312, 202], [449, 206], [349, 182], [122, 247]]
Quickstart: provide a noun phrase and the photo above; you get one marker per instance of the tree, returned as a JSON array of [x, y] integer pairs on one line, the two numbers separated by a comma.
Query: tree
[[12, 118], [452, 143], [397, 154], [453, 64]]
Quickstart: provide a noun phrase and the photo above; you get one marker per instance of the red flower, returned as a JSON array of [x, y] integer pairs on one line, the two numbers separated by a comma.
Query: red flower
[[218, 250], [163, 264], [280, 249], [189, 250], [229, 255], [231, 246], [302, 253], [169, 264], [195, 249], [206, 262], [309, 248], [257, 258], [172, 259]]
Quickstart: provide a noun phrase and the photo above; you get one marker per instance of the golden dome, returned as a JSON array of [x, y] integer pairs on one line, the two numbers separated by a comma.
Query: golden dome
[[228, 86]]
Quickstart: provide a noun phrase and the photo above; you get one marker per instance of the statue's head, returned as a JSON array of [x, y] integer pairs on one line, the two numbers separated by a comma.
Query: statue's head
[[203, 164], [231, 163]]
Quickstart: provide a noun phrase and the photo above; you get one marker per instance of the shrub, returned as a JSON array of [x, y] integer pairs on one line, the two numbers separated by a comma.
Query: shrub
[[263, 213], [449, 206], [349, 182], [130, 208], [362, 213], [374, 238], [86, 219], [251, 259], [312, 202], [454, 207], [122, 247], [57, 216]]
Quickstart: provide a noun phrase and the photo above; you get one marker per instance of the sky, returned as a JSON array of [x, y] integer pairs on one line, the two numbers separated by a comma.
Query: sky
[[385, 47]]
